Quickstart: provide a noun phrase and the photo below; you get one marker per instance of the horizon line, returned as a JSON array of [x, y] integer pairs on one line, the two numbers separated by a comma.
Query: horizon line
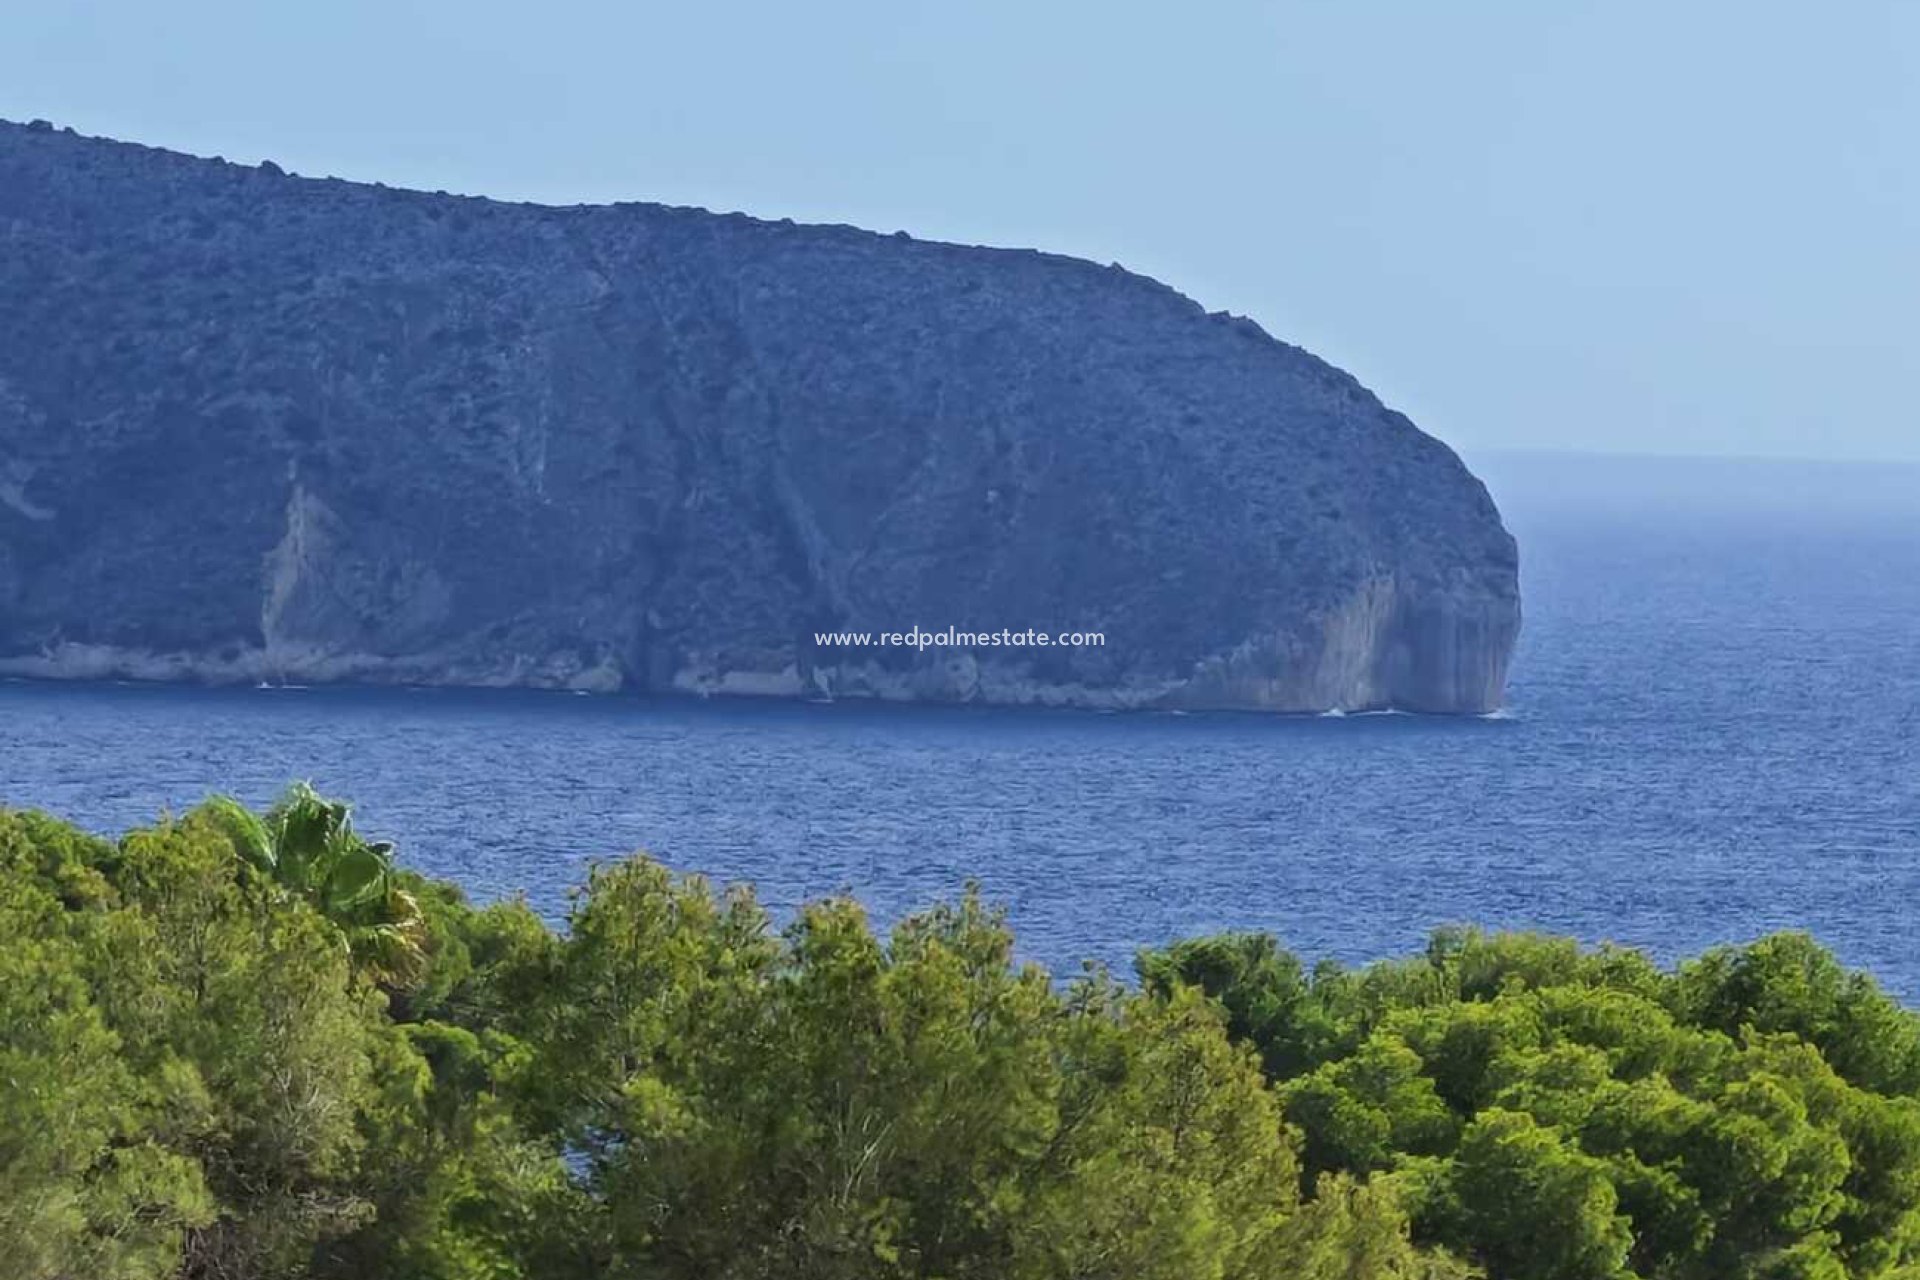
[[1643, 455]]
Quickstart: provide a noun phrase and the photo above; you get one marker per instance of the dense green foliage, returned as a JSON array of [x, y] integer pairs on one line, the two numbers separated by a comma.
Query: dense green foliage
[[241, 1047], [1554, 1113]]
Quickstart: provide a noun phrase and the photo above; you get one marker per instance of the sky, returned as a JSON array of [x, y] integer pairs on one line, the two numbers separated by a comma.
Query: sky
[[1600, 226]]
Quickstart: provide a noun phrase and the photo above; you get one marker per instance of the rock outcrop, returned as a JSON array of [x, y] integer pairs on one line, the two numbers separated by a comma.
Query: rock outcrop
[[256, 426]]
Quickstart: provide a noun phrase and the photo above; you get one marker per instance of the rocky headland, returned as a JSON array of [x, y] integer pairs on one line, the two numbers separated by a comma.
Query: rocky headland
[[255, 426]]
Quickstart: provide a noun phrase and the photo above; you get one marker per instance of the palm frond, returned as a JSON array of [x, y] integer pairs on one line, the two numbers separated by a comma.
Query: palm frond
[[252, 841]]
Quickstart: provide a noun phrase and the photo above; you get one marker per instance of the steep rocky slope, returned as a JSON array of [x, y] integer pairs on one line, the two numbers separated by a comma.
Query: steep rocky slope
[[256, 426]]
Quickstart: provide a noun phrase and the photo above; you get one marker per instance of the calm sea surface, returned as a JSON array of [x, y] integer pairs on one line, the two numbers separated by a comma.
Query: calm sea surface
[[1714, 731]]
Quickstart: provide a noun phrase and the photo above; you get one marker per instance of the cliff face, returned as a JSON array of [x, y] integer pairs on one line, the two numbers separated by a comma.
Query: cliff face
[[254, 426]]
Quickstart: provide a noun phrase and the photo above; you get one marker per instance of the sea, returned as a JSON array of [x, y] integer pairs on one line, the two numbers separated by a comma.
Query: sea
[[1713, 732]]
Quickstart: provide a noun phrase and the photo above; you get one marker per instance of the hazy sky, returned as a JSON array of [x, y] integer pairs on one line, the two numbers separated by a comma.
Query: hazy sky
[[1614, 226]]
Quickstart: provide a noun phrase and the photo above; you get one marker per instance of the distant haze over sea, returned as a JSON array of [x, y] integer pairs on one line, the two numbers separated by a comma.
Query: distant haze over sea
[[1819, 491]]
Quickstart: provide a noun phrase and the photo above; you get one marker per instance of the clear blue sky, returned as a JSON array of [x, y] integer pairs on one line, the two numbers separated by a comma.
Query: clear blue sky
[[1625, 226]]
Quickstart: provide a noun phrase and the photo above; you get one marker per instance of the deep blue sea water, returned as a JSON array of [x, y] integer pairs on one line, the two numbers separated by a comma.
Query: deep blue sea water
[[1714, 731]]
